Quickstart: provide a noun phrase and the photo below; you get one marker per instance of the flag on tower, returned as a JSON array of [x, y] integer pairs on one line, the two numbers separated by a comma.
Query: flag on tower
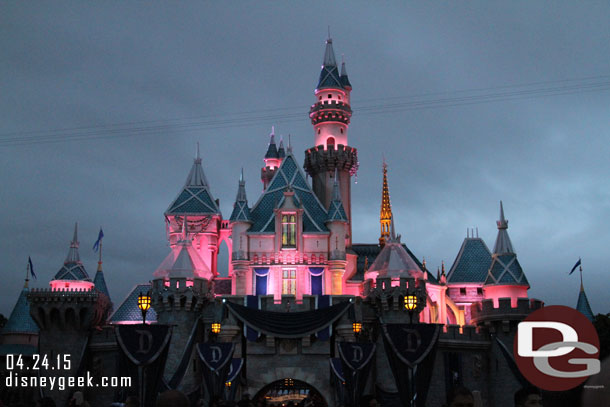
[[31, 267], [96, 246], [575, 266]]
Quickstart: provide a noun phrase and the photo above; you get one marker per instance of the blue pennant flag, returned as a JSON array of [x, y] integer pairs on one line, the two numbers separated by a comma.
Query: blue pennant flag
[[96, 246], [31, 267], [576, 265]]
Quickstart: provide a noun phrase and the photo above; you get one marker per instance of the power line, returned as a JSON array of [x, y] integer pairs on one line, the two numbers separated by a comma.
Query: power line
[[290, 114]]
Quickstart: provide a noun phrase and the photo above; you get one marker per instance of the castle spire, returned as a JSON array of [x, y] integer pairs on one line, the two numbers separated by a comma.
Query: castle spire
[[241, 212], [503, 244], [336, 211], [582, 304], [272, 149], [73, 256], [385, 215], [329, 77]]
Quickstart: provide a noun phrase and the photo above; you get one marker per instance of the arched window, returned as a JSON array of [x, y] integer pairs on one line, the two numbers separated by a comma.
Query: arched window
[[330, 142], [289, 231]]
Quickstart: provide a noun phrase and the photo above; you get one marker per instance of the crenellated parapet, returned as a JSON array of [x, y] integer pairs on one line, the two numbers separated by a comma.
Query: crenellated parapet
[[389, 295], [318, 159], [70, 309], [485, 315], [330, 110], [180, 294]]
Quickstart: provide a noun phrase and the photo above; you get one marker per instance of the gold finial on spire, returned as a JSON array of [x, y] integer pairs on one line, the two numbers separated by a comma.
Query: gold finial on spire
[[385, 215]]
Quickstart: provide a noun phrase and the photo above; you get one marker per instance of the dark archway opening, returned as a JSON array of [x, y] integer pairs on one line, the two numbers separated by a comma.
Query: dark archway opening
[[283, 392]]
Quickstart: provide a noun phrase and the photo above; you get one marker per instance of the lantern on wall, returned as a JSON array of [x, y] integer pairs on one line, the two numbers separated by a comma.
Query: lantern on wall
[[410, 302], [144, 301], [216, 327], [357, 327]]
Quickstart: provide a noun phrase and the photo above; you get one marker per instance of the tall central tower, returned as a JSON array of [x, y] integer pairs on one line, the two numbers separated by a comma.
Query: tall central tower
[[330, 116]]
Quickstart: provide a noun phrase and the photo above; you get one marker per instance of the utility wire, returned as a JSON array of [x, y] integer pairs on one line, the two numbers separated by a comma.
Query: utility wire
[[292, 114]]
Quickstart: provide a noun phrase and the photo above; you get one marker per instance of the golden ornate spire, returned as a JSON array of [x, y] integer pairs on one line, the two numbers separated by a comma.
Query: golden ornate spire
[[385, 215]]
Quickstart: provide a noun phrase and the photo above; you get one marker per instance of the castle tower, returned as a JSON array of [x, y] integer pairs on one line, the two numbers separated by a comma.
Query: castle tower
[[505, 278], [196, 203], [99, 281], [181, 287], [330, 116], [66, 313], [385, 215], [240, 223], [273, 159]]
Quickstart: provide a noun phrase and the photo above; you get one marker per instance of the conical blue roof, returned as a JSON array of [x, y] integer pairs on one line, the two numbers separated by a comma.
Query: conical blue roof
[[329, 77], [472, 262], [73, 268], [195, 197], [100, 283], [241, 212], [288, 176], [583, 305], [20, 320]]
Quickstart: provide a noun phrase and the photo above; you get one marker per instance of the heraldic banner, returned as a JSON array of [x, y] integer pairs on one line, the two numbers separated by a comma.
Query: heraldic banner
[[217, 358], [355, 362], [411, 349], [143, 355]]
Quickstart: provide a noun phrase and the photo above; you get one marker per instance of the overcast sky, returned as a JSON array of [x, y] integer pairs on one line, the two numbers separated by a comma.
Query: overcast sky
[[102, 103]]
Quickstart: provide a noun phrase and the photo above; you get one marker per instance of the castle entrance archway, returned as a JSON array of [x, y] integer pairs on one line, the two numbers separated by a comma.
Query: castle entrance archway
[[282, 392]]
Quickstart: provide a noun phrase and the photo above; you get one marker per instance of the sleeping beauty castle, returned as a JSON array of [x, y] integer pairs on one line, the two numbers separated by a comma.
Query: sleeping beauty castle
[[303, 313]]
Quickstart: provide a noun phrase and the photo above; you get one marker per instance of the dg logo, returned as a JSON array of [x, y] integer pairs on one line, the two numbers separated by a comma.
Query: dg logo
[[557, 348]]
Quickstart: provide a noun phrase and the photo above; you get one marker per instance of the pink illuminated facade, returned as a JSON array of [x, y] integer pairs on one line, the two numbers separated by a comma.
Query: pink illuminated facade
[[296, 239]]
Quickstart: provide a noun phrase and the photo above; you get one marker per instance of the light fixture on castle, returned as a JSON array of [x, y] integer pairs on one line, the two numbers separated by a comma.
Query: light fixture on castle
[[357, 327], [144, 301], [216, 327], [410, 302]]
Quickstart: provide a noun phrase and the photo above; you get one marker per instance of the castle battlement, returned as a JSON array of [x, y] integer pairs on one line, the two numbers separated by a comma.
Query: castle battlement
[[484, 311], [320, 159], [56, 295]]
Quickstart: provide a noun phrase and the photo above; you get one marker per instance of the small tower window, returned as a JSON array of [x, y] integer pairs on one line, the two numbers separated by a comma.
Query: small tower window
[[289, 231], [341, 130], [330, 96], [462, 291], [330, 142], [320, 98], [318, 131], [479, 291], [339, 97], [289, 281]]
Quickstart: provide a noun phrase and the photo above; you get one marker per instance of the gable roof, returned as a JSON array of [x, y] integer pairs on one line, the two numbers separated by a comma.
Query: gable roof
[[20, 320], [288, 176], [128, 311], [195, 197], [472, 262]]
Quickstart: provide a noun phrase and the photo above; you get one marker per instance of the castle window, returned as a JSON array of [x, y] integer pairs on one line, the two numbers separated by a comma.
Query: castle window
[[479, 291], [289, 281], [330, 142], [318, 131], [289, 231], [342, 131], [330, 96], [462, 291]]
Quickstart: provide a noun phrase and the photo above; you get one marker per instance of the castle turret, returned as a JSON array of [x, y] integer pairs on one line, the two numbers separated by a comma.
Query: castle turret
[[180, 289], [330, 116], [505, 278], [273, 159], [66, 313], [240, 223], [385, 214], [72, 275], [196, 203]]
